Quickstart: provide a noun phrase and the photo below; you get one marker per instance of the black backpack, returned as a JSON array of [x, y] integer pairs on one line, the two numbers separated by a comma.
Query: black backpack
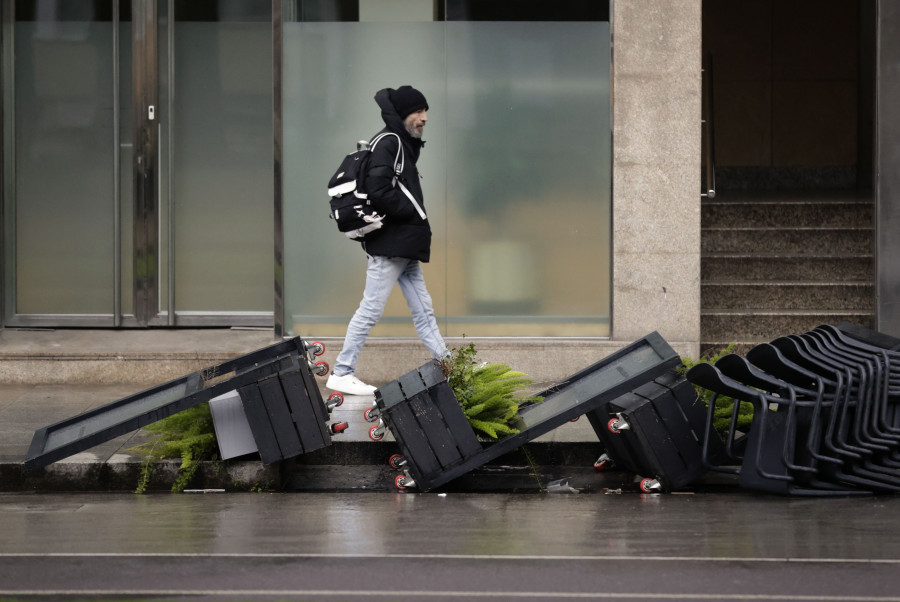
[[351, 209]]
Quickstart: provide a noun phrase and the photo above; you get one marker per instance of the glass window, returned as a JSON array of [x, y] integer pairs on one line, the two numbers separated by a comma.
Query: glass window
[[62, 247], [516, 169], [222, 156]]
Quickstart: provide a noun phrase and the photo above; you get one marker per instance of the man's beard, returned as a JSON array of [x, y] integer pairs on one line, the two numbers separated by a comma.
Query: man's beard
[[415, 133]]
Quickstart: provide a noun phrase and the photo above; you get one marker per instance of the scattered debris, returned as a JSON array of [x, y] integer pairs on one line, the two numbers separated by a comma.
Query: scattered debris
[[561, 486]]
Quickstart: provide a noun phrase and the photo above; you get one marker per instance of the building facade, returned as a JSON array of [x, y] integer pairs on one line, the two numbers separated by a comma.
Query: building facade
[[164, 162]]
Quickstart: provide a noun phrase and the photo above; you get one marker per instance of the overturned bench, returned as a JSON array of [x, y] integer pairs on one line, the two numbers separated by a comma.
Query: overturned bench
[[282, 403], [437, 444]]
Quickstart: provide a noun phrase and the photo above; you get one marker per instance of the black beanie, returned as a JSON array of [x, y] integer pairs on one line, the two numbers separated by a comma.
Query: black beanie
[[407, 99]]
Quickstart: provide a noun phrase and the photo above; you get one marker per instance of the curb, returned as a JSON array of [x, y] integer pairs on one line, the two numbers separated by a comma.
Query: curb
[[243, 477], [348, 466]]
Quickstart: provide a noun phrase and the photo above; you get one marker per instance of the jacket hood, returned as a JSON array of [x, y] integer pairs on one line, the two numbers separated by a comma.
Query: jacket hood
[[393, 120]]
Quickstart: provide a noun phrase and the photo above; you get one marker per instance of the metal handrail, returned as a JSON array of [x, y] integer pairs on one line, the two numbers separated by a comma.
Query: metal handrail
[[707, 120]]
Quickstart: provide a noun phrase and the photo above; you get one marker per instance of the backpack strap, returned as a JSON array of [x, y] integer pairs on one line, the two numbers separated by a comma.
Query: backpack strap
[[399, 159], [398, 169]]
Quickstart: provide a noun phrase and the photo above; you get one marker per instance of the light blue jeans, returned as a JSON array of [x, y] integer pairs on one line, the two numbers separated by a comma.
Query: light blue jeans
[[381, 275]]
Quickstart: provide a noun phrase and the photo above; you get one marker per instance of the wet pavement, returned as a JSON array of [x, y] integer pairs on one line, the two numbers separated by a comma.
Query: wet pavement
[[717, 546], [343, 532]]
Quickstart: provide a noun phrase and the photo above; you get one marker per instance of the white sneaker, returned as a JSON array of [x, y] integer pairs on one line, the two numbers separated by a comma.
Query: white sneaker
[[349, 385]]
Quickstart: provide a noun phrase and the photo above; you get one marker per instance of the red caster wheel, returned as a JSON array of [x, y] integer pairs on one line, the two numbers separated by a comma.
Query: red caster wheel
[[334, 400], [575, 419], [397, 461], [338, 427], [618, 424], [371, 414], [401, 482], [317, 348], [604, 462], [320, 368], [376, 433], [650, 486]]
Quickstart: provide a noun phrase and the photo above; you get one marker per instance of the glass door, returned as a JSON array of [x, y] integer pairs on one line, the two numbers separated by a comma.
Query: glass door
[[137, 150], [217, 224], [62, 138]]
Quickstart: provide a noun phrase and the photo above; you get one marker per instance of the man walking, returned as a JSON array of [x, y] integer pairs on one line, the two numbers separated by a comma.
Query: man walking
[[396, 250]]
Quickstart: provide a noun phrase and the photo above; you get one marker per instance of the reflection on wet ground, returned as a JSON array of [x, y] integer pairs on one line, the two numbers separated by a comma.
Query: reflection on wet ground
[[709, 525]]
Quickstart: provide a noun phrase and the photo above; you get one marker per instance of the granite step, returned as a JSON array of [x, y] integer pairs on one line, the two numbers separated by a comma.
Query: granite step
[[730, 294], [775, 267], [788, 212], [775, 263], [763, 324], [790, 241]]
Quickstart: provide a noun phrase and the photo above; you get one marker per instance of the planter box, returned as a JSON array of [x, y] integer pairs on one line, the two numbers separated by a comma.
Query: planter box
[[437, 442], [286, 415], [655, 431]]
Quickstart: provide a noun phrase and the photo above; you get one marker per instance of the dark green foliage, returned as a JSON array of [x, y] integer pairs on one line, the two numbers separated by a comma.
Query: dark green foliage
[[188, 435], [724, 405], [490, 394]]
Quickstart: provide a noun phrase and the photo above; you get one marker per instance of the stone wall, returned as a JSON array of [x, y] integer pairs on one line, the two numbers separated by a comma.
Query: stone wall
[[656, 170]]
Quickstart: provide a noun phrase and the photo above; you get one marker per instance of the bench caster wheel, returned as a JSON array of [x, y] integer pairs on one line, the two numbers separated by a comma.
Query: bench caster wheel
[[376, 433], [575, 419], [317, 348], [650, 486], [397, 462], [320, 368], [604, 462], [403, 482], [338, 427], [371, 414], [617, 425], [334, 400]]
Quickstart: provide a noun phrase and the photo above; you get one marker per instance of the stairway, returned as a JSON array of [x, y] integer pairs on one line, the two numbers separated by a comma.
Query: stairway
[[777, 263]]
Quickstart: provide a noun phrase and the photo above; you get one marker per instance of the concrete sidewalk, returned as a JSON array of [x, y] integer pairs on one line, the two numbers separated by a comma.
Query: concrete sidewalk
[[74, 371], [352, 461]]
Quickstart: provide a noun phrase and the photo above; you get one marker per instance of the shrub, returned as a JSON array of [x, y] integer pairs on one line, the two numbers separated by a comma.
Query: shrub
[[724, 404], [188, 435], [490, 394]]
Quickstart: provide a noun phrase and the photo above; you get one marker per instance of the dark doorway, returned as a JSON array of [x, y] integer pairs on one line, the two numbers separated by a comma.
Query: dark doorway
[[794, 83], [787, 242]]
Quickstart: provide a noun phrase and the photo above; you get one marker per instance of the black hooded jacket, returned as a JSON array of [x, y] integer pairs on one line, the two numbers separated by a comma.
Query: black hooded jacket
[[405, 233]]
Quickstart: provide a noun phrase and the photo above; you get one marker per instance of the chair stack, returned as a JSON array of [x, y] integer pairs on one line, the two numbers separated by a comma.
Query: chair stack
[[825, 413]]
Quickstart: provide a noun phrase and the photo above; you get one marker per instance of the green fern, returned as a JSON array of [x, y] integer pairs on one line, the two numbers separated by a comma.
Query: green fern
[[490, 394], [188, 435]]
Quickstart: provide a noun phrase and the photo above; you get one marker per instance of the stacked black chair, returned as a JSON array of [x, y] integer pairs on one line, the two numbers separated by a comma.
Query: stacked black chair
[[826, 413]]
